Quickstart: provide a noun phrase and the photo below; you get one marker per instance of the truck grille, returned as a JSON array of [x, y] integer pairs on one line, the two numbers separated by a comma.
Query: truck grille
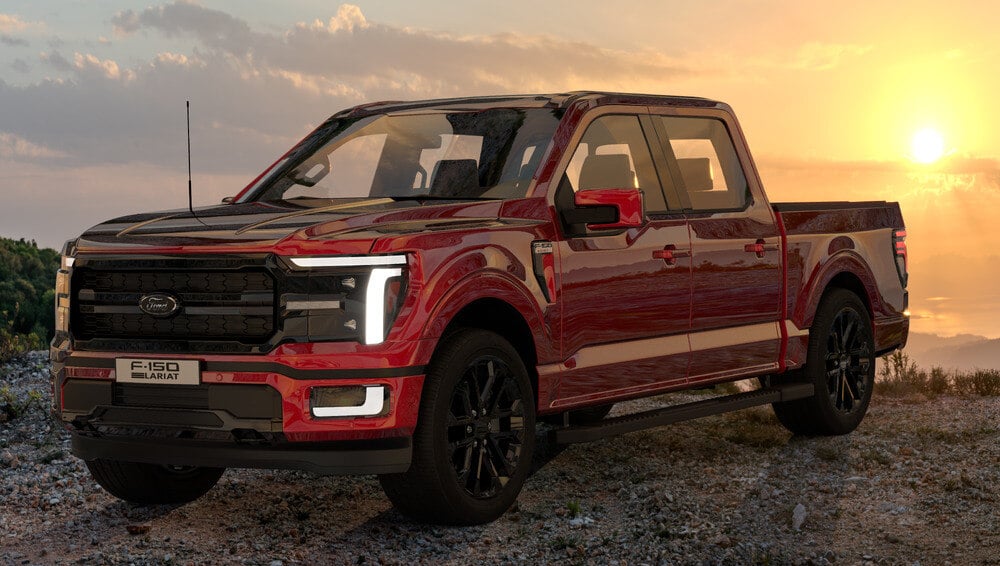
[[235, 306]]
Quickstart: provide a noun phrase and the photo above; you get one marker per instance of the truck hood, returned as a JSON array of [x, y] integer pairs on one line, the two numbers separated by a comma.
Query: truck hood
[[282, 225]]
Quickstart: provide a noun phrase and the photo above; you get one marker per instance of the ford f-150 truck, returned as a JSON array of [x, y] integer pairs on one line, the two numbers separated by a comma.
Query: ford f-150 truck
[[415, 285]]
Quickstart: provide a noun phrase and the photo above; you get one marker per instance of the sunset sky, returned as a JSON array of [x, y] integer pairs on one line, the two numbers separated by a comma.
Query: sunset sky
[[831, 97]]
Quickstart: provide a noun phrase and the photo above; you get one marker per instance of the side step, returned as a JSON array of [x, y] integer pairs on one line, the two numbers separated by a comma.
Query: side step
[[678, 413]]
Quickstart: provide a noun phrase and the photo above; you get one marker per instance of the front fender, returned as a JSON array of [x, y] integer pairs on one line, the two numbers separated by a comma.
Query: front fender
[[490, 273]]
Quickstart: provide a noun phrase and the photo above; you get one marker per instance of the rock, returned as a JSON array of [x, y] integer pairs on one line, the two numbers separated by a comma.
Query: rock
[[138, 529], [8, 460], [798, 516]]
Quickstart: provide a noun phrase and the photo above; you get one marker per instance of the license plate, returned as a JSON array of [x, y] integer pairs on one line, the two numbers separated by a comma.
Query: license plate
[[172, 372]]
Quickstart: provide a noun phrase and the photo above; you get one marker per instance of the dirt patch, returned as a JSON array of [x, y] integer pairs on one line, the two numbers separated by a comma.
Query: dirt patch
[[917, 482]]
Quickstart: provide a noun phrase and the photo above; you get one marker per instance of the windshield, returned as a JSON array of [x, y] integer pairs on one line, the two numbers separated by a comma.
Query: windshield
[[452, 155]]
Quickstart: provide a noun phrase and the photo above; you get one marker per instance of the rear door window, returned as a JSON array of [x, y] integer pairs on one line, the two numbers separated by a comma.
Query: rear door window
[[709, 167]]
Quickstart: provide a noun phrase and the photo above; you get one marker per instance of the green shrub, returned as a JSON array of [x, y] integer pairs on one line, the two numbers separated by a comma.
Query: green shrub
[[937, 383], [983, 382], [13, 344], [899, 376]]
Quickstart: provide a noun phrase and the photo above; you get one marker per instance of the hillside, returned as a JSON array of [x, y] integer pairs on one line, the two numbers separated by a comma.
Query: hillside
[[963, 352], [27, 292]]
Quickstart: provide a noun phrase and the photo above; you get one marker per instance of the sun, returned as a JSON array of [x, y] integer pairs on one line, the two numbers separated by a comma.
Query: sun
[[927, 146]]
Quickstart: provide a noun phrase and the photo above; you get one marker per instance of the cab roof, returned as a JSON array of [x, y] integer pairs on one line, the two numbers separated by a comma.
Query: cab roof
[[555, 101]]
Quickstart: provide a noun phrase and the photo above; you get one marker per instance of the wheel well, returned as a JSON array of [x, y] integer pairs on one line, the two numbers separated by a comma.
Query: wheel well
[[850, 282], [505, 320]]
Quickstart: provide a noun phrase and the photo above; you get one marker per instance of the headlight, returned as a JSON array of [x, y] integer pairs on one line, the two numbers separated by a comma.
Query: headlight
[[343, 297], [62, 298]]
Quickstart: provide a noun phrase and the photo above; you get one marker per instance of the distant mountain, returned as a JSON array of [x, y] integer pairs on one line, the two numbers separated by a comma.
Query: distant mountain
[[964, 351]]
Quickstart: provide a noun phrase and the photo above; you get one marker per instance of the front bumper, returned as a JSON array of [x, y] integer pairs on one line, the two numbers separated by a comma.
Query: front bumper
[[247, 411], [385, 456]]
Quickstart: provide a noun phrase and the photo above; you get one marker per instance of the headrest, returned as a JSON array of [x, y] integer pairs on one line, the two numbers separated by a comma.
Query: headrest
[[697, 174], [606, 172], [456, 178]]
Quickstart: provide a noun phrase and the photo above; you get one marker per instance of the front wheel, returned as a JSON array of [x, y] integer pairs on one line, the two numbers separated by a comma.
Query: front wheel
[[149, 484], [840, 363], [475, 435]]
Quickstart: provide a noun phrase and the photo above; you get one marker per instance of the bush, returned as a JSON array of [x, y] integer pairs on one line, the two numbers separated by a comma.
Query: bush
[[13, 344], [983, 382], [938, 383], [899, 376]]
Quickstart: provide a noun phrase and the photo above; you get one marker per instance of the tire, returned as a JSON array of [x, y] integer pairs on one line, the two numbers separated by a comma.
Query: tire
[[840, 363], [469, 464], [589, 415], [150, 484]]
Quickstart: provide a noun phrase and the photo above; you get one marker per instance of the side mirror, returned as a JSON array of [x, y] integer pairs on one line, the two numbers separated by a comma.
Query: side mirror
[[228, 200], [609, 209]]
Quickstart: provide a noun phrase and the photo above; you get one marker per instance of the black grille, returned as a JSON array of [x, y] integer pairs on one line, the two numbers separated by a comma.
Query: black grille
[[235, 306]]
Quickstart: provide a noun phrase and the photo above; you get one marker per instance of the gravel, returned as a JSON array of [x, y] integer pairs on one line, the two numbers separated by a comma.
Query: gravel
[[917, 483]]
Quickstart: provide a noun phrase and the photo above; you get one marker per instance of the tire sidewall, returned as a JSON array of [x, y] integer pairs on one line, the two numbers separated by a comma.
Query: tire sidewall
[[444, 375], [831, 306]]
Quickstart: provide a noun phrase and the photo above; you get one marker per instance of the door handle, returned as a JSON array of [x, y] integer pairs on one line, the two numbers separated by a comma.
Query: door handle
[[670, 253], [759, 247]]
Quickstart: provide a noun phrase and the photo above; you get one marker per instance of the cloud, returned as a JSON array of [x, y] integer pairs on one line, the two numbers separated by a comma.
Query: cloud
[[14, 147], [21, 66], [89, 63], [254, 93], [817, 56], [953, 164], [13, 41], [10, 22]]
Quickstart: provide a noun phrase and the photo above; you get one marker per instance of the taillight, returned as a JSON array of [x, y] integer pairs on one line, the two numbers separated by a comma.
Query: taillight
[[899, 250]]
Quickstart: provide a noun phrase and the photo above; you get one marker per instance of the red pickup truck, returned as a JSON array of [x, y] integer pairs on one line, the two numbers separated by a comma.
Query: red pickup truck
[[415, 285]]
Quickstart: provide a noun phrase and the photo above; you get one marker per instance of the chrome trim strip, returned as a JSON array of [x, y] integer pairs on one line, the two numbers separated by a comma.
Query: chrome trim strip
[[349, 261], [652, 388], [146, 223], [373, 405], [735, 336], [648, 348], [793, 331], [311, 305]]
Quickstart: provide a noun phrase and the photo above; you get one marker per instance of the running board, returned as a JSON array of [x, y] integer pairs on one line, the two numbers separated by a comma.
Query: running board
[[677, 413]]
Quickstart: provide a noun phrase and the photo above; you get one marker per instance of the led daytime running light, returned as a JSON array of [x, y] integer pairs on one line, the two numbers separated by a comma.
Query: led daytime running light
[[349, 261]]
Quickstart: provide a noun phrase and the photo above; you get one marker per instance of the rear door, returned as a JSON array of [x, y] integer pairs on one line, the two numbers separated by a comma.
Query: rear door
[[736, 260], [625, 294]]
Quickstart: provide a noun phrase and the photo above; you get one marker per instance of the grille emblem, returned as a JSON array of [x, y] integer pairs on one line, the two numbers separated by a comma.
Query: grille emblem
[[160, 305]]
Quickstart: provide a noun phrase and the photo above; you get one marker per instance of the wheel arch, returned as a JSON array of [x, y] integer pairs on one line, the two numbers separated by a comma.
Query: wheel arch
[[490, 313], [844, 271], [491, 301]]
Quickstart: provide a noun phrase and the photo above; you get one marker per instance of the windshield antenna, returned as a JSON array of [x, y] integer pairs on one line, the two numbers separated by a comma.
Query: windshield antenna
[[187, 105]]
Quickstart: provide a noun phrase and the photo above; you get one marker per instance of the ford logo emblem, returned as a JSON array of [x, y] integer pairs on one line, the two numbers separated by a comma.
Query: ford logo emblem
[[160, 305]]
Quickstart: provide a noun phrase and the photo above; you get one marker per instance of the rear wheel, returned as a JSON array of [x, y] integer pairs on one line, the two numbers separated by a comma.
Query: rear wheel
[[475, 435], [148, 484], [840, 363]]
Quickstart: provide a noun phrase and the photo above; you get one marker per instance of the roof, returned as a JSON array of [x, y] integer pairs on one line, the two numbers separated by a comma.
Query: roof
[[561, 100]]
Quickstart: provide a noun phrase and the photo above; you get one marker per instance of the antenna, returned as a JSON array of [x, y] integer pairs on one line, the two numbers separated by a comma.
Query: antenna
[[187, 105]]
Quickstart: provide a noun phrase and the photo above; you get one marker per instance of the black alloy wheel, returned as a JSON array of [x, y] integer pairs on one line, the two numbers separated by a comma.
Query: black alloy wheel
[[848, 360], [485, 427], [475, 433], [840, 363]]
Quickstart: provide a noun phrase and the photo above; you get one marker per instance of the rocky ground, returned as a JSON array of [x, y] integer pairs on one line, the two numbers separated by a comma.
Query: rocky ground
[[918, 482]]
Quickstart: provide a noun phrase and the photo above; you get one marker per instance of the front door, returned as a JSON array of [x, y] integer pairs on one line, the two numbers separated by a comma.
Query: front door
[[625, 295]]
